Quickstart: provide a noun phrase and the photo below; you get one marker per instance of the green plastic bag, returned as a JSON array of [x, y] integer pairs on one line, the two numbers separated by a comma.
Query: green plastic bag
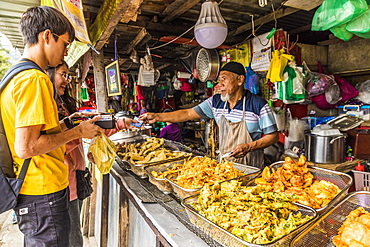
[[360, 26], [341, 32], [334, 13]]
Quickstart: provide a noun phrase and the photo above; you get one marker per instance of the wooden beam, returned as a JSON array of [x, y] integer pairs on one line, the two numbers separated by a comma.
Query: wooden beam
[[139, 37], [186, 41], [265, 19], [125, 11], [179, 11], [99, 79], [300, 29], [335, 40]]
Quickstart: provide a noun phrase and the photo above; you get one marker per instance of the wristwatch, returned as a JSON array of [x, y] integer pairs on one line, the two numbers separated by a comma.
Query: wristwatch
[[68, 122]]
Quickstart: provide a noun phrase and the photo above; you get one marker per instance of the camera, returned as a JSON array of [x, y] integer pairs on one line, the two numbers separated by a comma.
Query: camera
[[106, 121]]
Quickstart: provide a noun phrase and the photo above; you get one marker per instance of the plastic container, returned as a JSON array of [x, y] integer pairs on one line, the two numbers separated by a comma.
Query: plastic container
[[362, 180], [362, 111]]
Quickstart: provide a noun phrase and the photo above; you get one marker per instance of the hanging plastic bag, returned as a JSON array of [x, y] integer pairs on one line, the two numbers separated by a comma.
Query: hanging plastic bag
[[341, 32], [252, 81], [360, 26], [334, 13], [364, 91], [280, 118], [332, 95], [278, 62], [318, 83], [347, 91], [104, 152]]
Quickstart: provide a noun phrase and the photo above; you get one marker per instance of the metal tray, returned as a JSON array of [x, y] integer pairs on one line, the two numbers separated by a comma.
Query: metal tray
[[249, 171], [227, 239], [322, 231], [161, 183], [342, 180], [138, 169]]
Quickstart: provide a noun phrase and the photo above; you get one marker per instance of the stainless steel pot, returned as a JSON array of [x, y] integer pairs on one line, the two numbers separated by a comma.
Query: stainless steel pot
[[325, 149]]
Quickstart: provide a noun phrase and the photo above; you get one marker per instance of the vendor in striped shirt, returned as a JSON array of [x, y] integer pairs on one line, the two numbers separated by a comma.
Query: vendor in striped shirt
[[245, 120]]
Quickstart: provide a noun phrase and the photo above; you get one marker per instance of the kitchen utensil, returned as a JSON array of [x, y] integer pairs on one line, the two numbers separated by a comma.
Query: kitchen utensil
[[207, 64], [325, 149]]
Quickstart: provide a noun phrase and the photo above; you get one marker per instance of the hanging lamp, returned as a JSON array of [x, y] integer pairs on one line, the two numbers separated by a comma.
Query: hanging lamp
[[210, 31]]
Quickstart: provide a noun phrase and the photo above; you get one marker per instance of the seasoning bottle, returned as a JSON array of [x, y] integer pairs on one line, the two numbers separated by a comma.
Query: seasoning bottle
[[359, 167]]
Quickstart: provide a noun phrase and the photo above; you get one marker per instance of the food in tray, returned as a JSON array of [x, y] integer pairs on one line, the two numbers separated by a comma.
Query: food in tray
[[250, 213], [296, 178], [194, 173], [150, 151], [355, 230]]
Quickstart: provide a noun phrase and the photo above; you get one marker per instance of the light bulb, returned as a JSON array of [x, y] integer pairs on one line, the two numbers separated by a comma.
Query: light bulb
[[210, 31]]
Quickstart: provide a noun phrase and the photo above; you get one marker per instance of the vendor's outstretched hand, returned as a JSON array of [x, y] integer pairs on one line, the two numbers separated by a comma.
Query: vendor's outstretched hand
[[148, 117]]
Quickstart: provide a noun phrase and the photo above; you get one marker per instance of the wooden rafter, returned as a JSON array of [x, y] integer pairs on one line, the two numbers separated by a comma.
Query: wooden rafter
[[265, 19], [126, 10], [179, 11], [139, 37]]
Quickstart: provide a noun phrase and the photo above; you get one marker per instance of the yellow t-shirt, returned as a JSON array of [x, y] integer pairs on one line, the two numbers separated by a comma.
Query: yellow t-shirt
[[27, 101]]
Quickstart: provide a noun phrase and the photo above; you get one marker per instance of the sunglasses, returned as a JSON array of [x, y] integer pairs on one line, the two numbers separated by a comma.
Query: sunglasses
[[67, 44], [65, 76]]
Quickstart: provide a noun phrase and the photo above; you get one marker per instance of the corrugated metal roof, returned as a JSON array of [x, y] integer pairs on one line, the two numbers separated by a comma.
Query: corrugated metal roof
[[10, 14]]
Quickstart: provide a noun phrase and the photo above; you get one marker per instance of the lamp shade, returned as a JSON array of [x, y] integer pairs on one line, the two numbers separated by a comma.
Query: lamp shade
[[210, 31]]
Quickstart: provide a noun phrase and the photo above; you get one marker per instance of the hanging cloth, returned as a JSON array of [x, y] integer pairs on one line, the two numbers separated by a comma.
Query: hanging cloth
[[235, 133]]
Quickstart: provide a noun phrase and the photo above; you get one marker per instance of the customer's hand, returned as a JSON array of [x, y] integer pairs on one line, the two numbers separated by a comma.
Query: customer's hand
[[88, 129], [128, 123], [148, 117]]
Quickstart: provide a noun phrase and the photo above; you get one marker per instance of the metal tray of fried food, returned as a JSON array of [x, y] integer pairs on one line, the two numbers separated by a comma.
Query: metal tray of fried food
[[249, 171], [230, 240], [342, 180], [161, 183], [138, 169], [323, 230]]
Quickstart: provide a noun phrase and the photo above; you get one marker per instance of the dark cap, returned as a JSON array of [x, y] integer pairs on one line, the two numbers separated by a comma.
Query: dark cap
[[234, 67]]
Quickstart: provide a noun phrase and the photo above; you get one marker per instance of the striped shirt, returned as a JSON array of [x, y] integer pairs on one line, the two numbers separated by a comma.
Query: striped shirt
[[258, 114]]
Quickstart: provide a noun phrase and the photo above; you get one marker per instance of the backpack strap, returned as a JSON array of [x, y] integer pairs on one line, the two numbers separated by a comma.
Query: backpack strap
[[23, 64]]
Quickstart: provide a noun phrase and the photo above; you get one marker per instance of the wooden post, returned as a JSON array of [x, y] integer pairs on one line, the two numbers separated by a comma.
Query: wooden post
[[100, 83]]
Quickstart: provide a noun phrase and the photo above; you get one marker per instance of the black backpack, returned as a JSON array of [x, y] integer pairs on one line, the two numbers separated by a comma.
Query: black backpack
[[9, 185]]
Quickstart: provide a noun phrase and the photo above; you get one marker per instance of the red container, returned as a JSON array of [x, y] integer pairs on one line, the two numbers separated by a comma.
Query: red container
[[359, 140]]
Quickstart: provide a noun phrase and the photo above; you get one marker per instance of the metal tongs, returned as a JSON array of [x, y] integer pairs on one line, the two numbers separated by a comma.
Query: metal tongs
[[225, 156]]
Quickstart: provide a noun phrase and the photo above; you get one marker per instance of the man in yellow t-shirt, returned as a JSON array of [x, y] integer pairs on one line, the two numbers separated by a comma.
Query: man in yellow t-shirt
[[30, 118]]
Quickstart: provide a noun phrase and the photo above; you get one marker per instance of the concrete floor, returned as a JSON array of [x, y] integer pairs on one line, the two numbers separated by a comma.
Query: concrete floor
[[10, 236]]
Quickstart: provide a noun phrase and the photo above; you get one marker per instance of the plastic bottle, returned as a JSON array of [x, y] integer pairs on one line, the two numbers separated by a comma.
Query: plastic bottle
[[84, 93]]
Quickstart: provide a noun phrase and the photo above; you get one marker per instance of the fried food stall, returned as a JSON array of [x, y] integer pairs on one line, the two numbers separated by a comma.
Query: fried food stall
[[178, 197]]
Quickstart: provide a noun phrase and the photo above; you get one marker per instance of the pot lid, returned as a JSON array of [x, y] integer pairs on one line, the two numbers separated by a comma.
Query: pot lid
[[345, 122], [325, 130]]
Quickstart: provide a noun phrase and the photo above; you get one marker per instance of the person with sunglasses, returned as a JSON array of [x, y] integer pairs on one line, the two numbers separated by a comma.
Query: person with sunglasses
[[74, 158], [30, 118]]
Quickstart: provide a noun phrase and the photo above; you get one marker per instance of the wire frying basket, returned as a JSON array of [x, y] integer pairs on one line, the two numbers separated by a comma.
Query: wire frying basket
[[322, 231]]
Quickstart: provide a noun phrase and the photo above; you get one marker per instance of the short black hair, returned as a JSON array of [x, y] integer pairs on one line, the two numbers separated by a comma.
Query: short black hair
[[38, 19]]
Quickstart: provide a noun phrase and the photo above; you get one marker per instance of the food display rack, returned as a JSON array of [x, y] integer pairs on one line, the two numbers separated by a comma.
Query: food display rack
[[342, 180], [322, 231], [227, 239]]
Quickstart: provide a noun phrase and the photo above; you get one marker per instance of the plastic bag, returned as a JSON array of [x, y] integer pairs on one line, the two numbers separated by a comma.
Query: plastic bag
[[252, 81], [360, 26], [280, 118], [364, 91], [104, 152], [332, 95], [318, 83], [333, 13], [278, 62], [341, 32], [292, 88], [347, 91]]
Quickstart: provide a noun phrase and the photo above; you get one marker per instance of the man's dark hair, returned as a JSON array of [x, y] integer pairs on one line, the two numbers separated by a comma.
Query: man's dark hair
[[38, 19]]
